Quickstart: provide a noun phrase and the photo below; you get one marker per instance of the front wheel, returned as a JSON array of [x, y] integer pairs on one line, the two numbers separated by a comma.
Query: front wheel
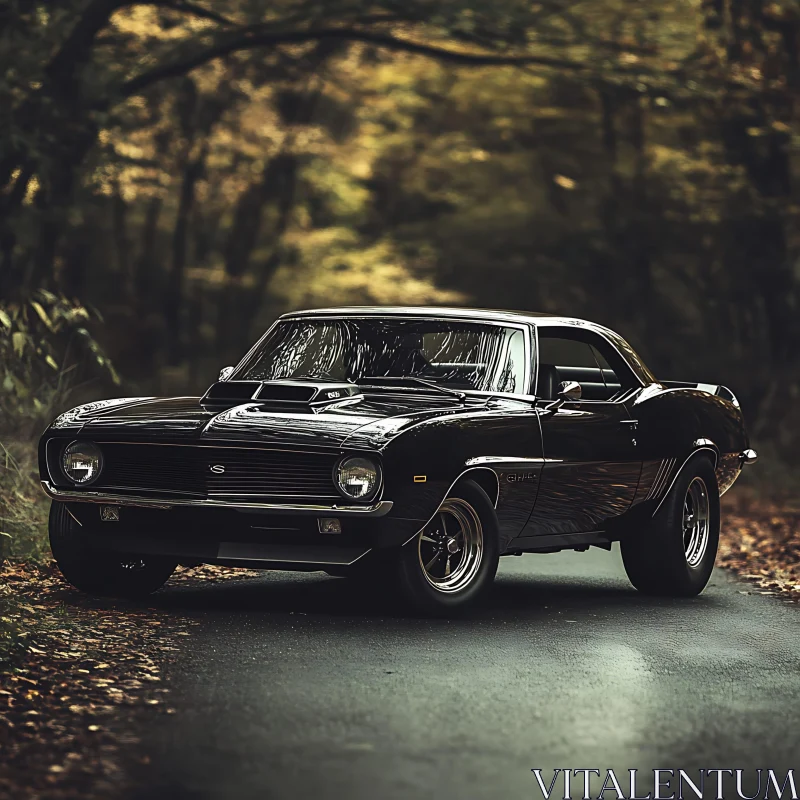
[[101, 572], [452, 561], [675, 554]]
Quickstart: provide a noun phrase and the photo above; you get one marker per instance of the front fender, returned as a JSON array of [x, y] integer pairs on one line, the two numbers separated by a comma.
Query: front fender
[[500, 451]]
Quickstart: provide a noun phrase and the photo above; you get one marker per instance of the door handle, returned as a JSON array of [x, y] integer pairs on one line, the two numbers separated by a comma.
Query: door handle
[[633, 424]]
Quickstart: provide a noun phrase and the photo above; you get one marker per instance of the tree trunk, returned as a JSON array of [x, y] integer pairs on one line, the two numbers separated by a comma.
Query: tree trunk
[[122, 246], [147, 266], [241, 304], [11, 268], [640, 239], [173, 295], [756, 134], [59, 105], [612, 271], [277, 183]]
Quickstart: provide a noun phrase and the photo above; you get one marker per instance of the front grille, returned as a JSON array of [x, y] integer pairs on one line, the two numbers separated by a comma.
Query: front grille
[[270, 472], [158, 468], [216, 472]]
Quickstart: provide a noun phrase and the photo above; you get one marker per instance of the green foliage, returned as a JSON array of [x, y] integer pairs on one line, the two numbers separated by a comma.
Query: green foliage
[[46, 353], [44, 345], [23, 505]]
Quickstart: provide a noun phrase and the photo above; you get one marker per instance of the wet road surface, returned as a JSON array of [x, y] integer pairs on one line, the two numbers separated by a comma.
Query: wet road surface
[[295, 686]]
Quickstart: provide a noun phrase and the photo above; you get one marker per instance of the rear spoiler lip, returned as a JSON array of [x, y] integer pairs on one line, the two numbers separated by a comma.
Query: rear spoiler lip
[[717, 389]]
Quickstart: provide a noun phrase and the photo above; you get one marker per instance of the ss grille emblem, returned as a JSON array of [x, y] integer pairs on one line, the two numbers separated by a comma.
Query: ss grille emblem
[[217, 469]]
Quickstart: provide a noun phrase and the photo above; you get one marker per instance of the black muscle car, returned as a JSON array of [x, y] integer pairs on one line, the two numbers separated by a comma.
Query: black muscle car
[[410, 446]]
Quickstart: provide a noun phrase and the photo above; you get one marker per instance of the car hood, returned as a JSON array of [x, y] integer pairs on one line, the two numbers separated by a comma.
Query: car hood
[[368, 422]]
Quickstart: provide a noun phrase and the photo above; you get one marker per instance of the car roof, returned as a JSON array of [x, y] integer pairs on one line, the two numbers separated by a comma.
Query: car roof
[[489, 315]]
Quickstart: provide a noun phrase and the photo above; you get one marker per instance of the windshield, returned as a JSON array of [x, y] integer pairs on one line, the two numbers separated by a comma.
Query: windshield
[[459, 355]]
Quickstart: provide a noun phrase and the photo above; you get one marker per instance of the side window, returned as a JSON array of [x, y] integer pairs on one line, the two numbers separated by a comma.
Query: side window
[[562, 358], [512, 373], [566, 352]]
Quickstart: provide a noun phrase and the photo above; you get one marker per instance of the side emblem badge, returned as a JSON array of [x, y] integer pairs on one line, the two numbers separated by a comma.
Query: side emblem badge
[[217, 469]]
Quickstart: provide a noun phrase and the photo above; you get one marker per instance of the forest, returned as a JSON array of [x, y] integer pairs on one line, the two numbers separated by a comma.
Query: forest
[[175, 173]]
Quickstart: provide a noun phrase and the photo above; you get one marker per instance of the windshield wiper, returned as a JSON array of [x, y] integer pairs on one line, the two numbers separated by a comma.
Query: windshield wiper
[[401, 380]]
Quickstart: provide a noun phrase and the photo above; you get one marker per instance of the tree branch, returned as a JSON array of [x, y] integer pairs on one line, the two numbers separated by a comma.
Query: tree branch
[[248, 40], [75, 50], [187, 7]]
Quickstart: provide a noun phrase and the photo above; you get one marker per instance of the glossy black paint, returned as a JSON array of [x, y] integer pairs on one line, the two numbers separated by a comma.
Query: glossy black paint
[[593, 458], [584, 472]]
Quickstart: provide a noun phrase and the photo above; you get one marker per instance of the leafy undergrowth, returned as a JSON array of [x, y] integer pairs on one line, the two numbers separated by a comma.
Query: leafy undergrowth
[[73, 672], [23, 505], [78, 676], [760, 541]]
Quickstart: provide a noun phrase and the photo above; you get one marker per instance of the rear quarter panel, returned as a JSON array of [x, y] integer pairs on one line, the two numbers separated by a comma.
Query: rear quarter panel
[[673, 421]]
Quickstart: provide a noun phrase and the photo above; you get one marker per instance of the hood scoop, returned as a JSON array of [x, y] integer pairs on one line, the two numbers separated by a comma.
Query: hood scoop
[[283, 395]]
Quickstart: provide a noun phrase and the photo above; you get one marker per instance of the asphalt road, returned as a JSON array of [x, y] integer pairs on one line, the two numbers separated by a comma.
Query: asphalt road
[[295, 687]]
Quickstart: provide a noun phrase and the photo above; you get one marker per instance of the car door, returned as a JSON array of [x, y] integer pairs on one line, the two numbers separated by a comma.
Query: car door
[[591, 461]]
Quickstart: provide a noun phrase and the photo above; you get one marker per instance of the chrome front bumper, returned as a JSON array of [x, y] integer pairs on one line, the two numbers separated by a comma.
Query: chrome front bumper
[[379, 509]]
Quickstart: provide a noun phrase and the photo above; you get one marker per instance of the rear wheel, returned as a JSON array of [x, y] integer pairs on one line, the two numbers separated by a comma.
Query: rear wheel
[[101, 572], [675, 554], [452, 561]]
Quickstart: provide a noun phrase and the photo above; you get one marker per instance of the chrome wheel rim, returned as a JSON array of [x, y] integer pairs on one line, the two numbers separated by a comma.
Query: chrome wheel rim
[[696, 522], [450, 546]]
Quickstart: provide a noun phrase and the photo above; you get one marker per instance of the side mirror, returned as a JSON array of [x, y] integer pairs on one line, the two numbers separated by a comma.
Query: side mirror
[[225, 373], [567, 391]]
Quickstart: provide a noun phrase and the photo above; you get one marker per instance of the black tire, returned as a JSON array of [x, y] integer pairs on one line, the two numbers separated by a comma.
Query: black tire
[[656, 559], [101, 572], [415, 583]]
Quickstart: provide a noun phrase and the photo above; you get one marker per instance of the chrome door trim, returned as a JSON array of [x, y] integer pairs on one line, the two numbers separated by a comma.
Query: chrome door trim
[[489, 460]]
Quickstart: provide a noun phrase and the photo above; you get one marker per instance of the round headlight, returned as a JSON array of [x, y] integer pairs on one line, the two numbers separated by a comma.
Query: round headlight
[[357, 478], [82, 462]]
